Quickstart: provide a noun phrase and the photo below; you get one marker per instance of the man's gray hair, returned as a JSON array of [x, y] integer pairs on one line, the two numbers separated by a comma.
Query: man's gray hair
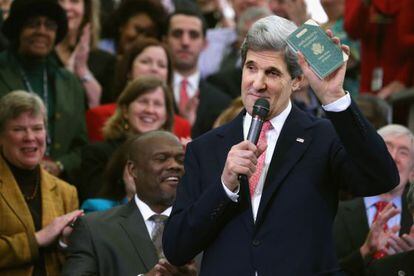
[[270, 34], [397, 130]]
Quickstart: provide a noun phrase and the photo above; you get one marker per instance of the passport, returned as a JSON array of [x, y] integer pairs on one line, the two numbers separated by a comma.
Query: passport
[[320, 52]]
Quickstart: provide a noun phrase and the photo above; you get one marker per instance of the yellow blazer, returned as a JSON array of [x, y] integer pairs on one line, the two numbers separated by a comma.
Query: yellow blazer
[[18, 247]]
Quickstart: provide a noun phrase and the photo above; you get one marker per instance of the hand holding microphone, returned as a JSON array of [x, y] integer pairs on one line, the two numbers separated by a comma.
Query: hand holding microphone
[[242, 158]]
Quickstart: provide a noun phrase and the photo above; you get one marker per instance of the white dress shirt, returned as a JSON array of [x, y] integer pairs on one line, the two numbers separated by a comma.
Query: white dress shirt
[[192, 85], [147, 213], [371, 210]]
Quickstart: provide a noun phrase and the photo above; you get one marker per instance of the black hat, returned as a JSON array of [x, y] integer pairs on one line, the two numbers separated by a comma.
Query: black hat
[[21, 10]]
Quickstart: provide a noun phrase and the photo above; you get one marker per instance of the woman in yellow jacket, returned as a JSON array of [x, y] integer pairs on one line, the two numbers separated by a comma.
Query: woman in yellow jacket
[[36, 208]]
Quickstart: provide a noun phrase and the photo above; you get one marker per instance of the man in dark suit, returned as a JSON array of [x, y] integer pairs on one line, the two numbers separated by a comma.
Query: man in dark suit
[[126, 240], [358, 239], [196, 100], [401, 264], [284, 225]]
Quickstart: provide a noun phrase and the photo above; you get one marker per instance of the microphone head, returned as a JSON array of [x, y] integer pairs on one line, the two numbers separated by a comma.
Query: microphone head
[[261, 108]]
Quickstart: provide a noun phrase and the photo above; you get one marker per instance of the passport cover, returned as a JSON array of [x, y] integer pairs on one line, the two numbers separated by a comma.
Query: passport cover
[[321, 53]]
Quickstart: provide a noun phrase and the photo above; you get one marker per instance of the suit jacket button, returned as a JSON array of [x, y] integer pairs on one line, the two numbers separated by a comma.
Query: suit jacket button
[[256, 242]]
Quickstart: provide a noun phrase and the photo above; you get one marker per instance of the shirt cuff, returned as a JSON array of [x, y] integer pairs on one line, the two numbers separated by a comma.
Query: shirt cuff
[[339, 105], [234, 196]]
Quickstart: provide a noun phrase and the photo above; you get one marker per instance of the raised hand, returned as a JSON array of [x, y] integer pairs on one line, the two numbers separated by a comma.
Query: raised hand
[[377, 238], [330, 88]]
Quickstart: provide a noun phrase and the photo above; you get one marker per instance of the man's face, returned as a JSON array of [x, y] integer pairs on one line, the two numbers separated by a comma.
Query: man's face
[[159, 170], [265, 75], [37, 37], [401, 150], [186, 40]]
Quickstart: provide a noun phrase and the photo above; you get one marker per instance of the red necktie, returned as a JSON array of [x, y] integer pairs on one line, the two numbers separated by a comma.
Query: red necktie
[[183, 96], [254, 179], [380, 205]]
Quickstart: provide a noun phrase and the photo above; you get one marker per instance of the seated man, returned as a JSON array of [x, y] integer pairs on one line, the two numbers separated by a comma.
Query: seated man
[[358, 238], [126, 240]]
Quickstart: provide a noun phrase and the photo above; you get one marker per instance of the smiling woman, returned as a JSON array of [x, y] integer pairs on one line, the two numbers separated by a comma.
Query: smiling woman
[[36, 208], [145, 104]]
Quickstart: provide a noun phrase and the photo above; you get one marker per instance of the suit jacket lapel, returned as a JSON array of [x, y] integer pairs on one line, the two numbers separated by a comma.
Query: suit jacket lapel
[[11, 194], [48, 186], [133, 224], [292, 143]]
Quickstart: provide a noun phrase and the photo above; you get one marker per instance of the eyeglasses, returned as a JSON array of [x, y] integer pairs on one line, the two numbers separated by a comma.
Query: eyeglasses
[[36, 22]]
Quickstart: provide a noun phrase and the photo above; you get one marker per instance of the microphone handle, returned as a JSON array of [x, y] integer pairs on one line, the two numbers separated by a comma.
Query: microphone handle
[[253, 136]]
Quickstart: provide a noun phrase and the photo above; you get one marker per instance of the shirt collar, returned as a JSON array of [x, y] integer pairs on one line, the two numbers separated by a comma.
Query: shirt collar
[[146, 210], [371, 200], [193, 80], [277, 121]]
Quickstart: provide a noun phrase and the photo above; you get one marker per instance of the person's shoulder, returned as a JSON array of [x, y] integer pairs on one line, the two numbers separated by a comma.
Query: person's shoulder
[[62, 186], [107, 216]]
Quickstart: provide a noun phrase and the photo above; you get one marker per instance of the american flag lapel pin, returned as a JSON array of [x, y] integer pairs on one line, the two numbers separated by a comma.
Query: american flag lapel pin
[[300, 140]]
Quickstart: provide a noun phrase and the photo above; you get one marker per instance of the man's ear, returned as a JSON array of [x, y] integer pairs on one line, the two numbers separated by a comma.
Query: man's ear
[[297, 83], [131, 169]]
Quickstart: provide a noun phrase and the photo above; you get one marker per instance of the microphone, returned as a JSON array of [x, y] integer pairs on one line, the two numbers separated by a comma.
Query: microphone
[[260, 111]]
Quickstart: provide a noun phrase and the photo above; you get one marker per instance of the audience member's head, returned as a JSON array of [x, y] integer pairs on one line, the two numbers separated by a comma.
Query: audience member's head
[[35, 26], [146, 56], [400, 144], [376, 110], [240, 6], [117, 183], [157, 165], [145, 104], [248, 17], [79, 14], [22, 129], [137, 18], [186, 37]]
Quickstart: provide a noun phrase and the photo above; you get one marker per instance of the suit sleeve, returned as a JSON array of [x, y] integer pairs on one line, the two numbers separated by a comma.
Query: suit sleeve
[[361, 162], [195, 211], [81, 257]]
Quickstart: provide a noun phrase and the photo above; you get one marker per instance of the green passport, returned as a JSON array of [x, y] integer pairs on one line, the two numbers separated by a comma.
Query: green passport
[[321, 53]]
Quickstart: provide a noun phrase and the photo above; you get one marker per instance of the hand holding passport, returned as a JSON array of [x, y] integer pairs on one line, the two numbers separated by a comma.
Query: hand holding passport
[[320, 52]]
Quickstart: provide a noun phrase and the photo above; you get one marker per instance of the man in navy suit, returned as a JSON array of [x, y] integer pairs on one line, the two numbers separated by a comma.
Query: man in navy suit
[[284, 226]]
